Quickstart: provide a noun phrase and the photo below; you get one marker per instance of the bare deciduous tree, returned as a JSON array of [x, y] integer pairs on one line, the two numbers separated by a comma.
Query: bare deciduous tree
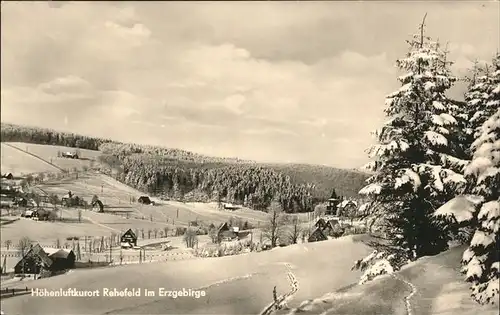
[[24, 246], [190, 238], [274, 226], [7, 243], [212, 233], [295, 230]]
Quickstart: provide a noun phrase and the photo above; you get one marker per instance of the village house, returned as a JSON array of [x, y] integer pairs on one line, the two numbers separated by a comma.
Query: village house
[[331, 227], [45, 261], [347, 208], [8, 176], [317, 235], [97, 205], [33, 262], [128, 239], [227, 233]]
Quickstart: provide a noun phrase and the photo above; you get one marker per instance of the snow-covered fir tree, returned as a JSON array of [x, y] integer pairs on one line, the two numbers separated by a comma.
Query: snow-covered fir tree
[[416, 163], [478, 109], [481, 261]]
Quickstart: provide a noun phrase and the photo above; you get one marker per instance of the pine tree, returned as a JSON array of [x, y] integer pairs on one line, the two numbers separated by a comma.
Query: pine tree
[[417, 162]]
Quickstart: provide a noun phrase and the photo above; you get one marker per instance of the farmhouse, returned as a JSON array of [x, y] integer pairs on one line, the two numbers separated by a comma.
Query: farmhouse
[[8, 176], [33, 262], [128, 239], [227, 233], [317, 235]]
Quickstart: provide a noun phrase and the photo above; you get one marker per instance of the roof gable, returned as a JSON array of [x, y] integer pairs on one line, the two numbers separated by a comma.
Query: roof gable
[[223, 227], [130, 233], [38, 250], [318, 232]]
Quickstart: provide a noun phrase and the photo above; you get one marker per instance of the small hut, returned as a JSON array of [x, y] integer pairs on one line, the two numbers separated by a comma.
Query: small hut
[[97, 204], [144, 200], [128, 239]]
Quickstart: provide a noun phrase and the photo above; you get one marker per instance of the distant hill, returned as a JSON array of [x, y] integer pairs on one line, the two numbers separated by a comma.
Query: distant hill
[[181, 174], [346, 182]]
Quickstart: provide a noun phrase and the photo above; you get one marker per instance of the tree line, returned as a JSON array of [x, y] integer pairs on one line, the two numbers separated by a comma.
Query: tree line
[[246, 184]]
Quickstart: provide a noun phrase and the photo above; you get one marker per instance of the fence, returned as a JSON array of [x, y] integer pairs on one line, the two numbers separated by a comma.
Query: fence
[[10, 292]]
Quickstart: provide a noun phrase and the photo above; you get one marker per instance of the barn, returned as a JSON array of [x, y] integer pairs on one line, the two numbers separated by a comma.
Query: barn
[[62, 259], [128, 239]]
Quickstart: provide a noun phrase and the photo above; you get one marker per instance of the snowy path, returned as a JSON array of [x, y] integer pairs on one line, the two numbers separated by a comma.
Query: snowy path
[[412, 293], [281, 300], [99, 224]]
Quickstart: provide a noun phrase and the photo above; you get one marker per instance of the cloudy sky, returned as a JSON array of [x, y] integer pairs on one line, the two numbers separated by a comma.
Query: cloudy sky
[[271, 81]]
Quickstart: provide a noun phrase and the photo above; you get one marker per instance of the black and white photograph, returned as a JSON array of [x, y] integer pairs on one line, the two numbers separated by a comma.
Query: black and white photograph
[[250, 157]]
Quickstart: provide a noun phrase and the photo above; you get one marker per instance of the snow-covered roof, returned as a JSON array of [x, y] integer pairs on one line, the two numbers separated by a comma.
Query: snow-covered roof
[[461, 208], [346, 202], [51, 251]]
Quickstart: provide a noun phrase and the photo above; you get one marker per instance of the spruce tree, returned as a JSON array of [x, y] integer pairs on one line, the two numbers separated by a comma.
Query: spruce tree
[[482, 260], [417, 162], [476, 99]]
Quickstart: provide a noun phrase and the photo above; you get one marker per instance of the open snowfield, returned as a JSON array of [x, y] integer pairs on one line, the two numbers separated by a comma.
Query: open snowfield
[[242, 284], [432, 285], [18, 162], [121, 199], [25, 158]]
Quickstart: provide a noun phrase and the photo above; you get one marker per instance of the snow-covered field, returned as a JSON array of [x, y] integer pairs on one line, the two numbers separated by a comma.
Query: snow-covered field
[[234, 285], [35, 158]]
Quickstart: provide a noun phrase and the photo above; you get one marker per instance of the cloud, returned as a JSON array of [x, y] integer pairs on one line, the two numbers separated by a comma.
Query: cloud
[[303, 81]]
